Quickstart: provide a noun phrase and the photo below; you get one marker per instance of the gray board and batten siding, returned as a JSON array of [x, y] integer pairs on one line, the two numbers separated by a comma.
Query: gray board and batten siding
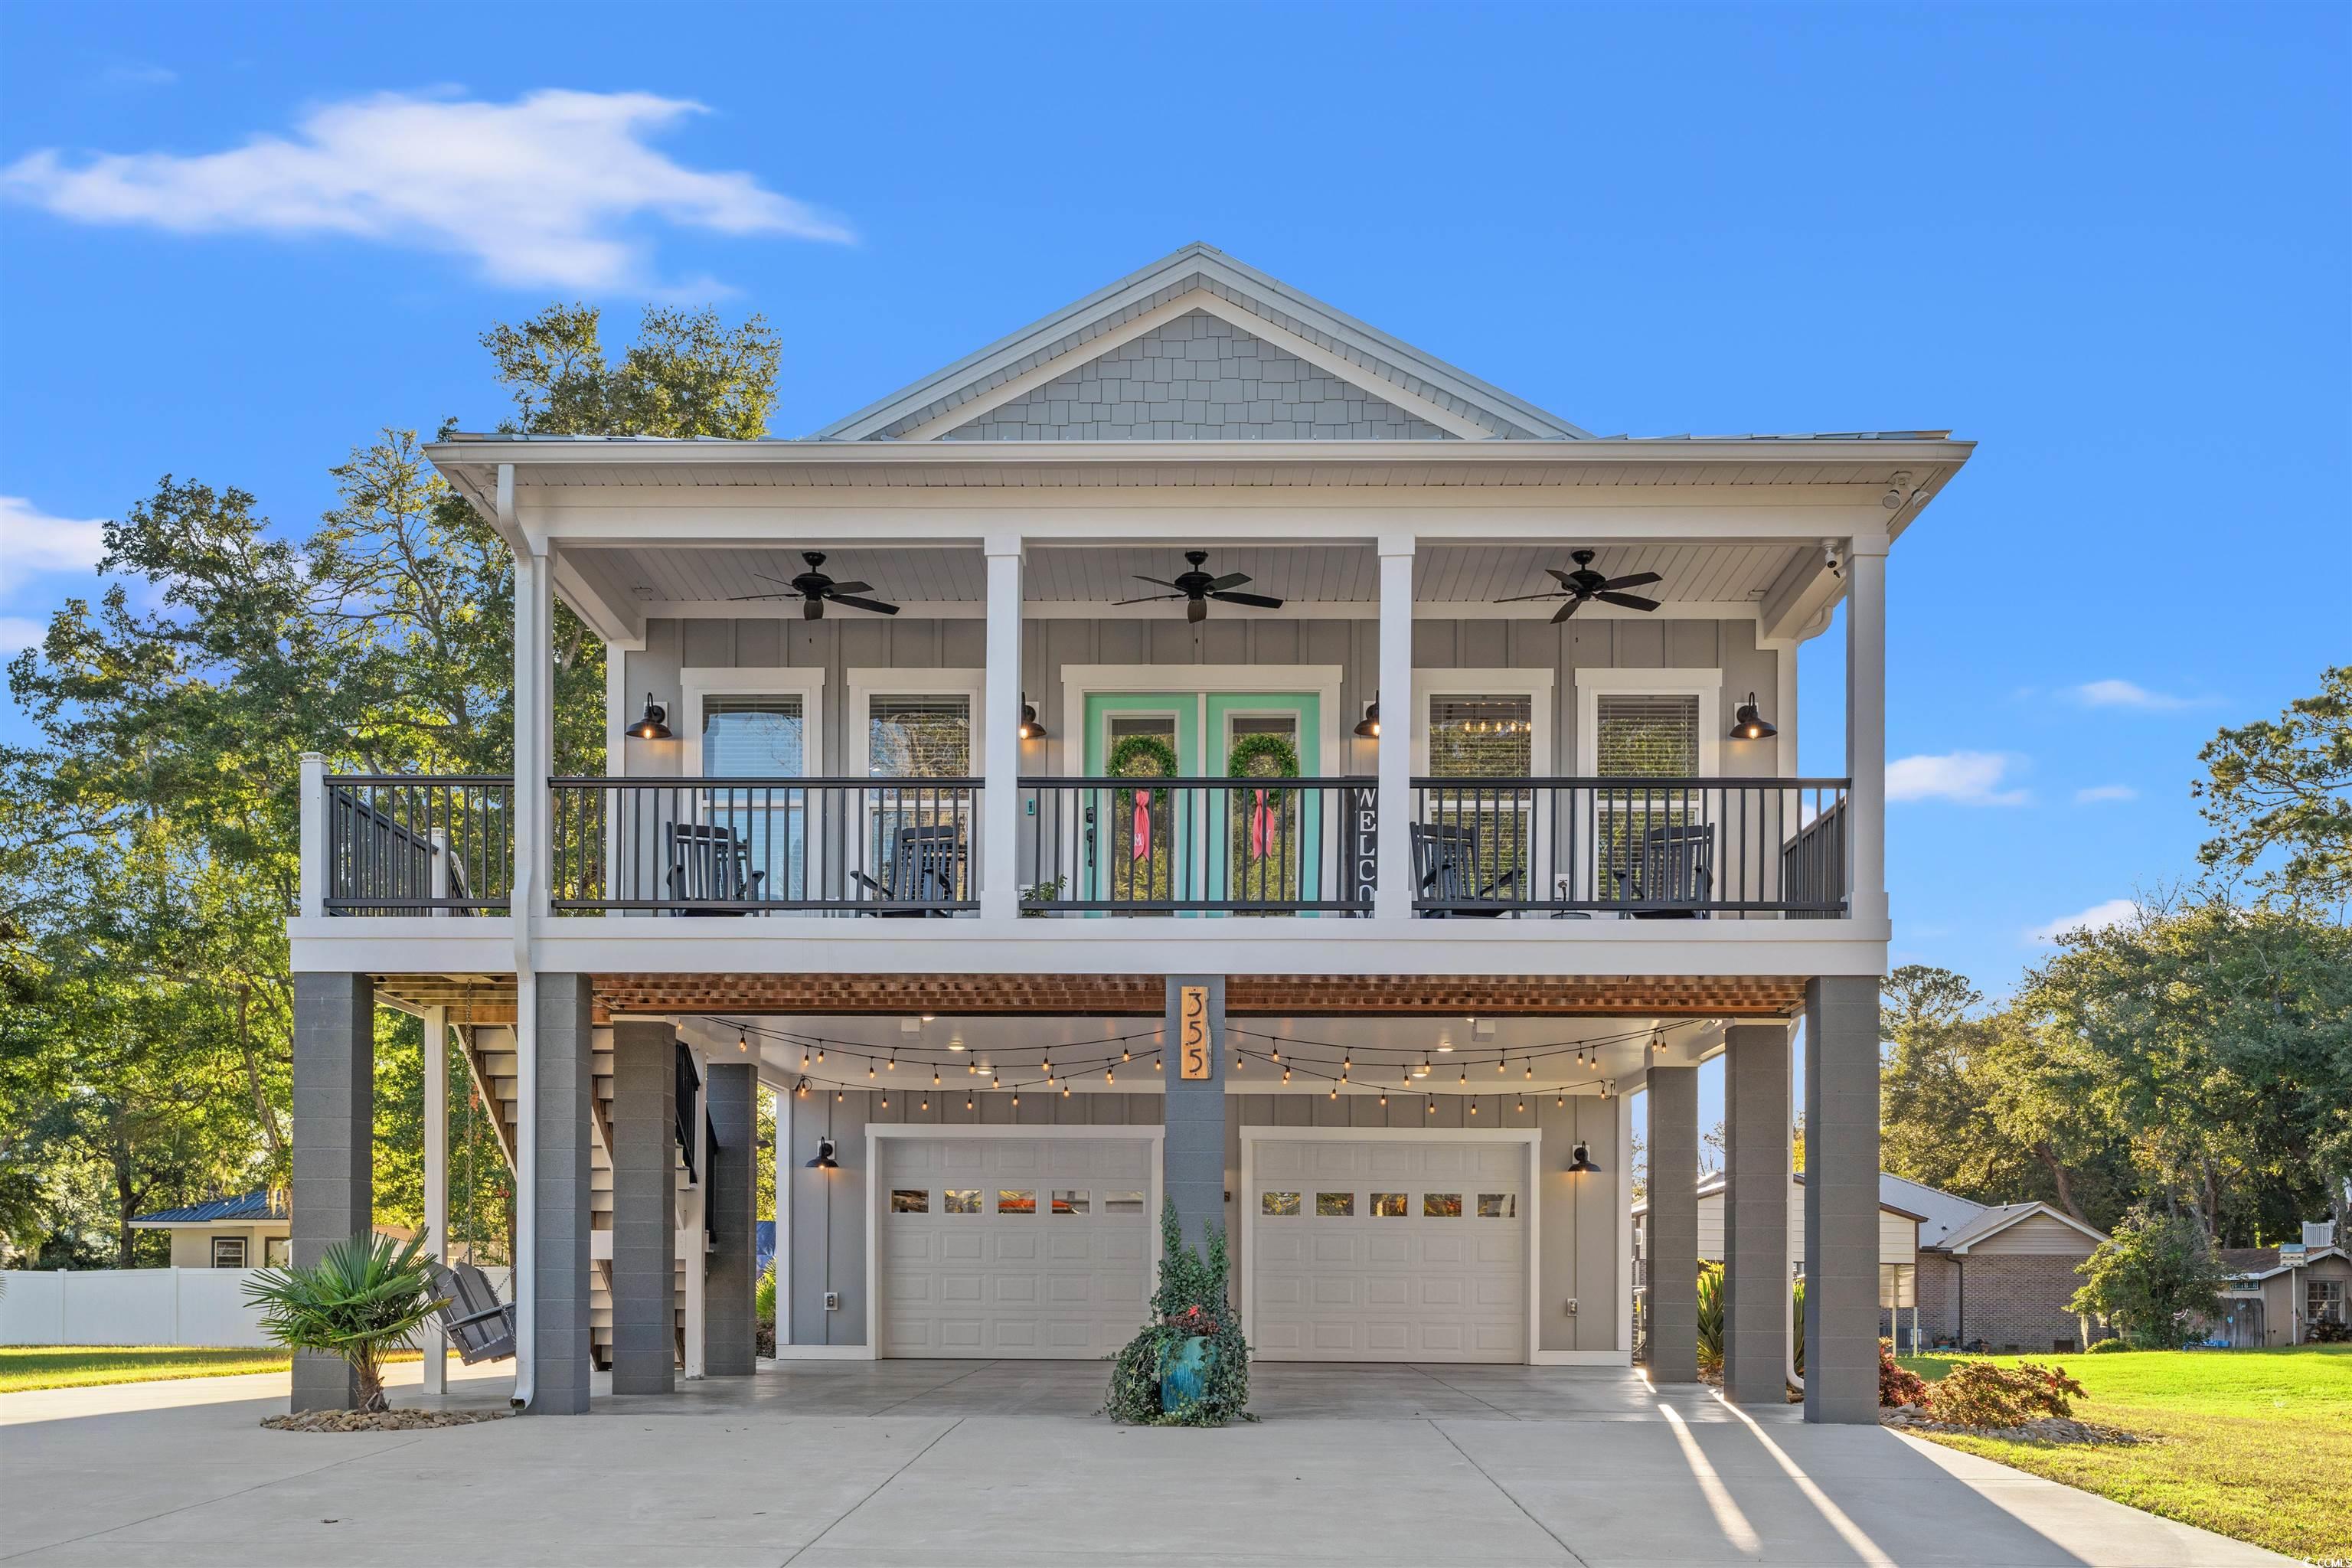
[[846, 640], [1577, 1214]]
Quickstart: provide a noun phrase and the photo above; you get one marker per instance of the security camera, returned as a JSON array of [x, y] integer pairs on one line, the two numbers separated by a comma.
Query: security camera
[[1834, 559]]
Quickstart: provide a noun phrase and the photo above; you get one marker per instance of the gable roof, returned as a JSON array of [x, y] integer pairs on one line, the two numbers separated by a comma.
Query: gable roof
[[2261, 1262], [218, 1211], [1200, 277], [1993, 1221]]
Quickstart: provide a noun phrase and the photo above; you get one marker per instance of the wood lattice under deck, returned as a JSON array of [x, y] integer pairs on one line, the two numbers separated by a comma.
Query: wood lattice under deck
[[490, 999]]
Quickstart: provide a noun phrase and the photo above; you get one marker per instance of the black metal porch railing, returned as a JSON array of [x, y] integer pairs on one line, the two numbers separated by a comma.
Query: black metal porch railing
[[405, 844], [1643, 847], [753, 846], [1246, 847]]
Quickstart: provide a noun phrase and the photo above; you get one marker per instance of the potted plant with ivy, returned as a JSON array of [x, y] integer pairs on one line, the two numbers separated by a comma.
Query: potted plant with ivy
[[1262, 824], [1190, 1366], [1143, 858]]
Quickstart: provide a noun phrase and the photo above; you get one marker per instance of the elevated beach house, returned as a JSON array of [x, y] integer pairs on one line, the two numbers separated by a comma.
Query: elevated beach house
[[1200, 749]]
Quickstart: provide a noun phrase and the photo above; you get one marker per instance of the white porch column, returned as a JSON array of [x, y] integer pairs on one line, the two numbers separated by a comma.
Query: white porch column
[[436, 1179], [312, 875], [1865, 723], [1393, 897], [784, 1263], [1000, 800]]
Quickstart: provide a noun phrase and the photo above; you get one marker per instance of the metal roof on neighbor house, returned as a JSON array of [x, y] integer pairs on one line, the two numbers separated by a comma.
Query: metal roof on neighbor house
[[218, 1211]]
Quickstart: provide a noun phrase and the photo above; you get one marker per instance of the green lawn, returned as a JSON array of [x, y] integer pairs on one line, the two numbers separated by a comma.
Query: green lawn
[[2253, 1444], [26, 1367]]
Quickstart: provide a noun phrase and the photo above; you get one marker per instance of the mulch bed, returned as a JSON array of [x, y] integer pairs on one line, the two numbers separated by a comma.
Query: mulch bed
[[381, 1421], [2042, 1429]]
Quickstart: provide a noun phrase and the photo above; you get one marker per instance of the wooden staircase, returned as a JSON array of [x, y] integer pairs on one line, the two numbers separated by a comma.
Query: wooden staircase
[[490, 1057]]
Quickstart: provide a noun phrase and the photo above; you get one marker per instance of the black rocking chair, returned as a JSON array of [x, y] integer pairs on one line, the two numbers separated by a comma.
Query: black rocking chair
[[925, 872], [711, 865], [1674, 876], [1446, 872]]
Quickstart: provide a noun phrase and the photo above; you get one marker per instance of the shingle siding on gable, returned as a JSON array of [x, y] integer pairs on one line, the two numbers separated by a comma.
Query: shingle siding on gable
[[1198, 378]]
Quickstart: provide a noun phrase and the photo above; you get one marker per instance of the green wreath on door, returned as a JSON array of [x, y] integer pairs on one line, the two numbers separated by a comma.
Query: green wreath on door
[[1261, 825]]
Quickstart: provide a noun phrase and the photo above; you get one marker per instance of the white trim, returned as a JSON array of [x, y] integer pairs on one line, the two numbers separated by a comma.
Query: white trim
[[1705, 684], [697, 681], [2036, 1207], [868, 683], [1150, 1133], [1532, 1137], [1535, 685], [1040, 374], [1293, 610], [1080, 681]]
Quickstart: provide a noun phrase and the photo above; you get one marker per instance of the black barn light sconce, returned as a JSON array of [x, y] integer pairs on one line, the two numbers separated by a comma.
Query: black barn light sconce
[[1581, 1160], [1749, 723], [1030, 728], [655, 725], [1367, 728], [824, 1159]]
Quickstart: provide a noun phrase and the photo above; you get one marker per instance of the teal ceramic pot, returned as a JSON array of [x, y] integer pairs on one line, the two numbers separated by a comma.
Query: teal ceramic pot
[[1183, 1373]]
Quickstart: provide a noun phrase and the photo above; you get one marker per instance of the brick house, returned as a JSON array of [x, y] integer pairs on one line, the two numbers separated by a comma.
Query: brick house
[[2000, 1273]]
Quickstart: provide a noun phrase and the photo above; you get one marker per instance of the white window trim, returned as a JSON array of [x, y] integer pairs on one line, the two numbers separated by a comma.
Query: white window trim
[[1530, 1138], [243, 1246], [1535, 685], [1706, 685], [865, 685], [806, 682]]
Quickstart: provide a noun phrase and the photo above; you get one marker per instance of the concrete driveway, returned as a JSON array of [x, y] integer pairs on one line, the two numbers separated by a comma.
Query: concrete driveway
[[858, 1465]]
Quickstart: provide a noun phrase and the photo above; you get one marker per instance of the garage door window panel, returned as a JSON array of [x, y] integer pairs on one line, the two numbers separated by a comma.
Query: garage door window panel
[[1335, 1205], [1389, 1205], [1278, 1205], [1441, 1206], [910, 1200], [962, 1200]]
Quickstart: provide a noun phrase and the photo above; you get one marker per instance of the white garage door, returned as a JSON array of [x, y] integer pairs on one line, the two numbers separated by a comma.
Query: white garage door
[[1013, 1247], [1389, 1251]]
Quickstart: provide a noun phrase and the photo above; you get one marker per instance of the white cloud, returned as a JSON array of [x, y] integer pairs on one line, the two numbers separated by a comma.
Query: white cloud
[[2099, 793], [19, 632], [2098, 917], [1967, 778], [2126, 694], [32, 540], [540, 192]]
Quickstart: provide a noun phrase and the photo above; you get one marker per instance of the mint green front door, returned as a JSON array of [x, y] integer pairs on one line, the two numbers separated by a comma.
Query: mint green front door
[[1243, 846]]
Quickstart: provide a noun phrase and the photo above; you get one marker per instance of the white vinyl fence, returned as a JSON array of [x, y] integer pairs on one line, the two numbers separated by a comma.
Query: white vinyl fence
[[137, 1307]]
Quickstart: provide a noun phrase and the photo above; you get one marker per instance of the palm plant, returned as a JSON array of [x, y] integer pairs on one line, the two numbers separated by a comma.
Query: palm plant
[[1710, 1317], [361, 1301]]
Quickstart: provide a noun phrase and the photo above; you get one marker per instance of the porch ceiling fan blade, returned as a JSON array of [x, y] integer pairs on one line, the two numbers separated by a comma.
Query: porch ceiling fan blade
[[1519, 598], [746, 598], [840, 588], [1230, 580], [1147, 599], [1160, 581], [1255, 601], [1626, 601], [1566, 610], [1565, 579], [877, 605], [780, 582], [1635, 580]]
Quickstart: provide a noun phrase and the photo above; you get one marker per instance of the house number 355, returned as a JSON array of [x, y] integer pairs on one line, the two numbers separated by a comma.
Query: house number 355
[[1192, 1030]]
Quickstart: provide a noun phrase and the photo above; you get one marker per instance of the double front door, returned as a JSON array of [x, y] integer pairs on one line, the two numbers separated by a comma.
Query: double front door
[[1223, 834]]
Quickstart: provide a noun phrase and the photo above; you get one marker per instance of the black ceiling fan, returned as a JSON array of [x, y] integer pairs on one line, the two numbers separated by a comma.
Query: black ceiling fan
[[1584, 585], [1198, 588], [814, 588]]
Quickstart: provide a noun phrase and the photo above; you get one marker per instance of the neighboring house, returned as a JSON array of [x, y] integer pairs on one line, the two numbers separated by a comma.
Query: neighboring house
[[248, 1231], [2001, 1274], [1998, 1273], [1470, 818], [2282, 1295]]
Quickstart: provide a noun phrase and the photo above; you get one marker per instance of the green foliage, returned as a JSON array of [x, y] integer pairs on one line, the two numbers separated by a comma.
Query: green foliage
[[361, 1301], [2285, 784], [1797, 1329], [1192, 1301], [2155, 1278], [1262, 756], [2115, 1346], [1143, 757], [1981, 1393], [763, 1298], [1710, 1317], [687, 375], [1898, 1384]]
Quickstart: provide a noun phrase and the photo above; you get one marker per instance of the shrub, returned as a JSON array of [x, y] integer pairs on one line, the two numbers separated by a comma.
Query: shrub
[[1898, 1384], [1797, 1327], [359, 1301], [763, 1298], [1980, 1393], [2152, 1279], [1710, 1318], [2109, 1347], [1191, 1304]]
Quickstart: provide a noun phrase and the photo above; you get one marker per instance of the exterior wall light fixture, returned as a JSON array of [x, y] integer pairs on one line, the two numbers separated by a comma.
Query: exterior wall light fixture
[[655, 725], [1749, 723]]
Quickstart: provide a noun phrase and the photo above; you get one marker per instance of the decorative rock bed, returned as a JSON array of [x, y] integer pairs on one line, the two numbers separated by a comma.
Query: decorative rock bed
[[379, 1421], [2041, 1429]]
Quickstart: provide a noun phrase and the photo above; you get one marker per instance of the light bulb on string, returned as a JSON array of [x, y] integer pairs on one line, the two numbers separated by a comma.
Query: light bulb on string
[[742, 1040], [893, 1063], [1530, 1067], [820, 1053], [805, 1061], [1474, 1108], [1433, 1105]]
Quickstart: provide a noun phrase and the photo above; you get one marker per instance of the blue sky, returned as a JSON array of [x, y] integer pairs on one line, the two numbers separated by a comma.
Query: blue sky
[[2108, 243]]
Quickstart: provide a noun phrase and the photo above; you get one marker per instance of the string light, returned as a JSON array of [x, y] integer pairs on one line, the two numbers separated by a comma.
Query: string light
[[927, 1102], [1433, 1105], [1521, 1109], [1277, 1053], [893, 1061], [820, 1053], [1384, 1099], [1474, 1108], [869, 1072], [1285, 1075], [838, 1097], [1498, 1067], [886, 1100], [1155, 1061], [804, 1060], [742, 1040], [1531, 1067], [1335, 1092], [1016, 1100], [935, 1078], [967, 1102], [1106, 1078], [1465, 1076], [1066, 1091], [1562, 1099]]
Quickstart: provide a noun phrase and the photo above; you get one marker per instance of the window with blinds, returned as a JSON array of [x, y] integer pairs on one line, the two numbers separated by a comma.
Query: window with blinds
[[1481, 737], [927, 737], [753, 737], [1646, 735]]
